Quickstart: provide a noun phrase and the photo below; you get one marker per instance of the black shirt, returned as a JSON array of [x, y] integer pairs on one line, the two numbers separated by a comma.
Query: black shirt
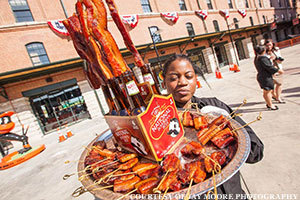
[[233, 185]]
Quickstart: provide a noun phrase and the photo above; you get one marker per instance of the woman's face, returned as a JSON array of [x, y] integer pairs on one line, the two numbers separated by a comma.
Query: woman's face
[[181, 81], [269, 46]]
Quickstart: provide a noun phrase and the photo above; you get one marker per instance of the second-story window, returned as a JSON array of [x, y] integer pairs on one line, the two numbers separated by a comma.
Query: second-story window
[[230, 4], [146, 6], [288, 3], [283, 17], [236, 23], [21, 10], [216, 25], [251, 21], [264, 18], [279, 3], [182, 5], [246, 4], [37, 53], [209, 4], [154, 33], [190, 29], [260, 4]]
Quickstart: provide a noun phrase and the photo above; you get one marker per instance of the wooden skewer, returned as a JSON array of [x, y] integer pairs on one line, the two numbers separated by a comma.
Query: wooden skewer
[[257, 119], [187, 196], [69, 161], [165, 193], [244, 102], [155, 190], [81, 190], [114, 175], [125, 195]]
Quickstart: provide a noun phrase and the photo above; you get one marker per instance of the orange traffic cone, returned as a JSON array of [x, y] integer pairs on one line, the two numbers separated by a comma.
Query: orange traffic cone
[[218, 74], [61, 137], [231, 67], [69, 133], [236, 68]]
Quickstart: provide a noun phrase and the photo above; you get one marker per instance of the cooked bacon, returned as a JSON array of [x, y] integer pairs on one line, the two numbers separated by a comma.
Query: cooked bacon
[[171, 163], [127, 185], [192, 148], [126, 157], [223, 138], [143, 168], [146, 186], [129, 164], [200, 122], [170, 179], [187, 119]]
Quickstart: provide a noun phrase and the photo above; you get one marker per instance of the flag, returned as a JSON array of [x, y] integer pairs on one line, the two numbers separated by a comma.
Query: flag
[[131, 20], [225, 13], [58, 27], [242, 12], [172, 16], [201, 13]]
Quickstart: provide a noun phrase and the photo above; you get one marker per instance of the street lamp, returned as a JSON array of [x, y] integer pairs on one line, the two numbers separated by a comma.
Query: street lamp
[[234, 49]]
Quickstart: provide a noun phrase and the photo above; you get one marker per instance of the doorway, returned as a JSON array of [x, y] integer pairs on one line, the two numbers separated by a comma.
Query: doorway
[[240, 49], [197, 58], [221, 55], [59, 107]]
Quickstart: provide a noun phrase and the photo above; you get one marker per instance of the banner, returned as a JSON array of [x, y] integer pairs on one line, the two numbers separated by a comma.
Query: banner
[[202, 13], [172, 16], [242, 12], [225, 13], [58, 27], [131, 20]]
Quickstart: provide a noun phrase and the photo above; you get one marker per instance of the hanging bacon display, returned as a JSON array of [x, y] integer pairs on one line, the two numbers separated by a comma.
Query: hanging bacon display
[[225, 13], [242, 12], [58, 27], [202, 13], [126, 37], [131, 20], [171, 16]]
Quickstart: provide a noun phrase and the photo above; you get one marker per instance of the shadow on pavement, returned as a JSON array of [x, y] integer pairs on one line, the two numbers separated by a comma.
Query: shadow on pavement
[[293, 95], [251, 110], [247, 104], [291, 90]]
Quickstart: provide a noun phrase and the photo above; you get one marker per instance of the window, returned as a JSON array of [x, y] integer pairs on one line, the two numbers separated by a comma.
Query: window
[[209, 4], [21, 10], [146, 6], [182, 5], [279, 3], [283, 17], [190, 29], [230, 4], [271, 3], [264, 18], [154, 33], [216, 25], [251, 21], [288, 3], [260, 4], [37, 53], [246, 4], [236, 23]]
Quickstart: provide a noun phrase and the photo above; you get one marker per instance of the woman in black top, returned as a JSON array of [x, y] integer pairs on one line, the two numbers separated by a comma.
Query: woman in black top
[[180, 80], [265, 71]]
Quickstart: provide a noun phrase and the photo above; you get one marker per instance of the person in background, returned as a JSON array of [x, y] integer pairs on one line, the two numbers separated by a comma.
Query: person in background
[[180, 80], [265, 71], [274, 55]]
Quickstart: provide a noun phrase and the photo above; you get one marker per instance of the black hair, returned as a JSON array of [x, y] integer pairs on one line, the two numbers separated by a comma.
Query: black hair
[[179, 57], [259, 49], [270, 41]]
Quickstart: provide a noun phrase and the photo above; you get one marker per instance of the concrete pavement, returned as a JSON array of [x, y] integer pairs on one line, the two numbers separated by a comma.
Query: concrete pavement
[[41, 177]]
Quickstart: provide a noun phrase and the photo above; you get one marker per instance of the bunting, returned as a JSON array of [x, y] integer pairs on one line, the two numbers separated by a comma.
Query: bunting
[[131, 20], [58, 27], [242, 12], [202, 13], [225, 13], [172, 16]]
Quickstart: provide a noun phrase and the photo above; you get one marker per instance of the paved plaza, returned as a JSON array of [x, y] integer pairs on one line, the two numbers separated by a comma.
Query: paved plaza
[[278, 173]]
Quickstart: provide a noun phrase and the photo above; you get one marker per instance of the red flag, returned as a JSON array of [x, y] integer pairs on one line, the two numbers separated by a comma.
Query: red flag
[[242, 12], [172, 16], [58, 27], [202, 13], [131, 20], [225, 13]]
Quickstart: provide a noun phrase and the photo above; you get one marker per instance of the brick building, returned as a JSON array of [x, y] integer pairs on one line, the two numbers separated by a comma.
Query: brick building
[[41, 75]]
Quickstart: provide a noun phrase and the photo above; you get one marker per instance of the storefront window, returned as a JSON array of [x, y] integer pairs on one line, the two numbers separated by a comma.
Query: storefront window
[[57, 108]]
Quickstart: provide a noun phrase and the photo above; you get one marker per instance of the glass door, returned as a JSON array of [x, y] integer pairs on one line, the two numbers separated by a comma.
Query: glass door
[[221, 55], [240, 49], [197, 59]]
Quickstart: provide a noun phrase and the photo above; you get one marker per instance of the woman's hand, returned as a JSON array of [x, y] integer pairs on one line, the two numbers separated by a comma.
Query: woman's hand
[[280, 71]]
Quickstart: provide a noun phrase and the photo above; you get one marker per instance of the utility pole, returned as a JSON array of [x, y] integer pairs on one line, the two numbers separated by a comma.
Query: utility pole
[[233, 47]]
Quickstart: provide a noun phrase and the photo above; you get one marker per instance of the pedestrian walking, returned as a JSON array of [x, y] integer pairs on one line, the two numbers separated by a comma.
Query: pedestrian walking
[[274, 55], [265, 70]]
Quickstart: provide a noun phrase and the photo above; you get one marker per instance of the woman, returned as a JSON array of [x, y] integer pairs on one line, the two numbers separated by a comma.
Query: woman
[[273, 53], [265, 71], [180, 80]]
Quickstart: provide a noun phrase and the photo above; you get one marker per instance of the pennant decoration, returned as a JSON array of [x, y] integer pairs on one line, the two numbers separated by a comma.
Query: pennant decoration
[[225, 13], [202, 13], [131, 20], [242, 12], [172, 16], [58, 27]]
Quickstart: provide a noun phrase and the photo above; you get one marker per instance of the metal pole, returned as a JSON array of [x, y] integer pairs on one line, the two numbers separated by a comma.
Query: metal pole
[[237, 62], [155, 48], [63, 6]]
